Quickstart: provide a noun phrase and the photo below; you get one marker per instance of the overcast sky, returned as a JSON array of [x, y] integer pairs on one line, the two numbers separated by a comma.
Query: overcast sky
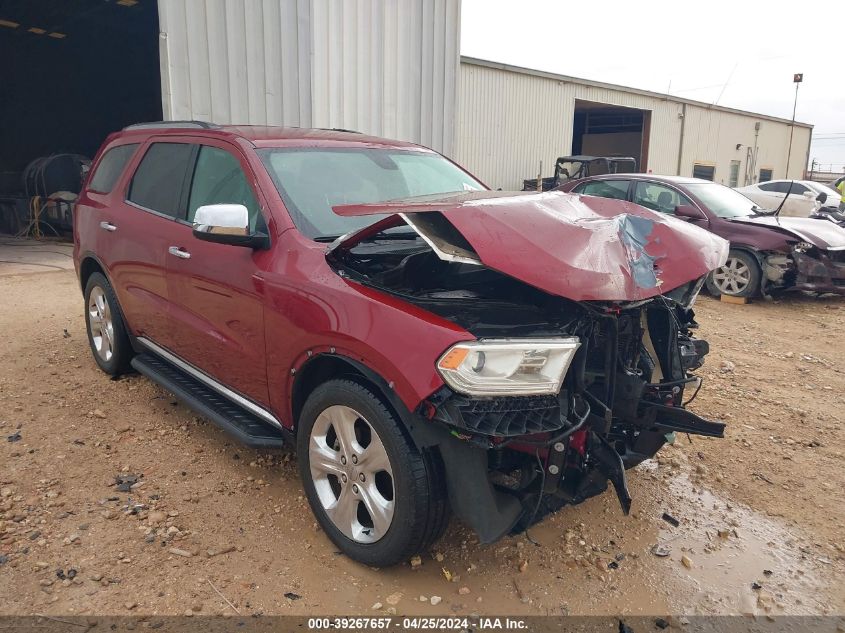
[[740, 54]]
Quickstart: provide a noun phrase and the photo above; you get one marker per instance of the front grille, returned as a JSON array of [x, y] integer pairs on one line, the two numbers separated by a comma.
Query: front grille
[[511, 416]]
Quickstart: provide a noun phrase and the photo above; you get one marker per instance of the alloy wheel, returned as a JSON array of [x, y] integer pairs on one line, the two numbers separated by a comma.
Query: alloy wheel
[[352, 474], [100, 323], [732, 278]]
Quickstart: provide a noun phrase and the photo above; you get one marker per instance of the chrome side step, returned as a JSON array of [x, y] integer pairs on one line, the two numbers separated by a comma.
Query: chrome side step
[[208, 381], [239, 422]]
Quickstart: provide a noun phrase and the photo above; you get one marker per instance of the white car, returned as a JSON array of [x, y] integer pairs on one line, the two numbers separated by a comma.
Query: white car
[[803, 198]]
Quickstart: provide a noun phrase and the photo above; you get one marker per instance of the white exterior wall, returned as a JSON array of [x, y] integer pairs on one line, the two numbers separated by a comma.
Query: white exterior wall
[[508, 121], [711, 137], [383, 67]]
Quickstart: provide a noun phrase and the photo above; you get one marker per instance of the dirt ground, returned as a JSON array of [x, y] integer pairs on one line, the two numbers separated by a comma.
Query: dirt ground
[[214, 528]]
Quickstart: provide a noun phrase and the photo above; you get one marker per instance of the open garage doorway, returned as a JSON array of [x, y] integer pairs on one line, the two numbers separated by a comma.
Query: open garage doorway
[[72, 72], [601, 129]]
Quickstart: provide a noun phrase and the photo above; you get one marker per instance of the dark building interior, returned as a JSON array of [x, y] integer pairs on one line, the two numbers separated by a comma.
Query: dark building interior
[[72, 71]]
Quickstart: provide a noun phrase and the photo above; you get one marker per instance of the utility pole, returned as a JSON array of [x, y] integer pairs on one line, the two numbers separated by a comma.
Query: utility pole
[[797, 78]]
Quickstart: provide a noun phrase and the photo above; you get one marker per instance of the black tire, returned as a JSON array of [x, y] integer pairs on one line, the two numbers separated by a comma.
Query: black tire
[[420, 508], [738, 258], [121, 349]]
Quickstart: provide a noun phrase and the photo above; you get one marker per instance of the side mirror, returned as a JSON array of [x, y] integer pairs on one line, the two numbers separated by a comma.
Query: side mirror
[[689, 212], [226, 224], [822, 197]]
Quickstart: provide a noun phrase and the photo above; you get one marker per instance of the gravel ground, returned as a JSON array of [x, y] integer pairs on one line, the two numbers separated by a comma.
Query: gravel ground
[[201, 525]]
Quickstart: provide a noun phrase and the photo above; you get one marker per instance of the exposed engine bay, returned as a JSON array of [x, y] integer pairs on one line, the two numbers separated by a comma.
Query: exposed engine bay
[[520, 457]]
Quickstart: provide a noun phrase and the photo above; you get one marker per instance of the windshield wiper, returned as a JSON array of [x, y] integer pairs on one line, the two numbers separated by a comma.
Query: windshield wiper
[[384, 235], [404, 234]]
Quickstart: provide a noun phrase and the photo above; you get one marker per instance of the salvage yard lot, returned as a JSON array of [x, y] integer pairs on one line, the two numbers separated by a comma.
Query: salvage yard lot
[[209, 518]]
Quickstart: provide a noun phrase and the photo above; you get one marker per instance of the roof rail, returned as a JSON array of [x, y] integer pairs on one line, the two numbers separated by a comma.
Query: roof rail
[[171, 124]]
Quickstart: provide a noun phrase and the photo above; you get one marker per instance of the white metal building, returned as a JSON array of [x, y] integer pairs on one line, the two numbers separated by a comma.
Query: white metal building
[[511, 118], [385, 67], [75, 71]]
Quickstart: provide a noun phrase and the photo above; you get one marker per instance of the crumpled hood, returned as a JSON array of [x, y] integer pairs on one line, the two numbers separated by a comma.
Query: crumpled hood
[[820, 233], [579, 247]]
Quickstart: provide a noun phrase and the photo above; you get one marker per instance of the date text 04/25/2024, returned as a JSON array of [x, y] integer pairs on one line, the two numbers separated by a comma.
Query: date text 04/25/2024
[[422, 623]]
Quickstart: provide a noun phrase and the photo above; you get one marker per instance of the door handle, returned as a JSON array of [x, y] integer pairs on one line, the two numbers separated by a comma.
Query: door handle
[[178, 252], [108, 226]]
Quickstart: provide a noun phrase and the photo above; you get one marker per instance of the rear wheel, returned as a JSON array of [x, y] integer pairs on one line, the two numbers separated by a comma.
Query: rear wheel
[[107, 334], [376, 496], [739, 277]]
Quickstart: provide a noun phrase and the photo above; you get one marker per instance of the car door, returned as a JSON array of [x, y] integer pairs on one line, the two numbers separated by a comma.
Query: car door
[[801, 201], [136, 233], [796, 204], [216, 289], [767, 195]]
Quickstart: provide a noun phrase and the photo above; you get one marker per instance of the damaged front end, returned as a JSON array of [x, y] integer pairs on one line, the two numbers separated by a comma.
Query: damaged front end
[[569, 381], [819, 270], [811, 257], [622, 398]]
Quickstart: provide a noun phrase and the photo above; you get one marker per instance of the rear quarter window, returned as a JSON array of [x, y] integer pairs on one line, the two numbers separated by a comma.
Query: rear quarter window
[[158, 182], [110, 167]]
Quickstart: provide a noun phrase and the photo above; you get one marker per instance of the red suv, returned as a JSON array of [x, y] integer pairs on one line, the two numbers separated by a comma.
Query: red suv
[[426, 344]]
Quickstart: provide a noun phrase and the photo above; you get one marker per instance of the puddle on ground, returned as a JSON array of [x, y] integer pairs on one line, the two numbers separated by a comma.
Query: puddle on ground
[[593, 560], [740, 562]]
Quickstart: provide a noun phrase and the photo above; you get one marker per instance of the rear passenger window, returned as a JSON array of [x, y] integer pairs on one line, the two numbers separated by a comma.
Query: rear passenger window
[[110, 167], [158, 181], [616, 189], [219, 179], [778, 187]]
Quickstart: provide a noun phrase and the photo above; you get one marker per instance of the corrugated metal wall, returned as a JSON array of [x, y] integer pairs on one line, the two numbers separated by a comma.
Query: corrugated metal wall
[[711, 137], [508, 121], [384, 67]]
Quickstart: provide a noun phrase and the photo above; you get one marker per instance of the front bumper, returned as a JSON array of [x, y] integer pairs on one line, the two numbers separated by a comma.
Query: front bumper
[[820, 271], [577, 457]]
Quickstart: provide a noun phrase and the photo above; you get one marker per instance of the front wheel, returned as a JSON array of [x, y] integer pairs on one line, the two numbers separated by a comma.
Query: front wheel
[[739, 277], [376, 496]]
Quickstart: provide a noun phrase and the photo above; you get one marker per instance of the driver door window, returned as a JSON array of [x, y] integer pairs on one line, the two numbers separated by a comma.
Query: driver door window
[[219, 179], [659, 197]]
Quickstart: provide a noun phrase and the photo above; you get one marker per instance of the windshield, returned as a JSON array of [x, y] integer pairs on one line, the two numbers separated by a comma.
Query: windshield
[[723, 201], [312, 181]]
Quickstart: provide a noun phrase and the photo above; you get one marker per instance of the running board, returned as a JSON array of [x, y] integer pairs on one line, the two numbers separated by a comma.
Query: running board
[[232, 418]]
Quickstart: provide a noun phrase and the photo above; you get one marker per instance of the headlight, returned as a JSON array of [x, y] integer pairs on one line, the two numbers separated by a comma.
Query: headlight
[[508, 367]]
